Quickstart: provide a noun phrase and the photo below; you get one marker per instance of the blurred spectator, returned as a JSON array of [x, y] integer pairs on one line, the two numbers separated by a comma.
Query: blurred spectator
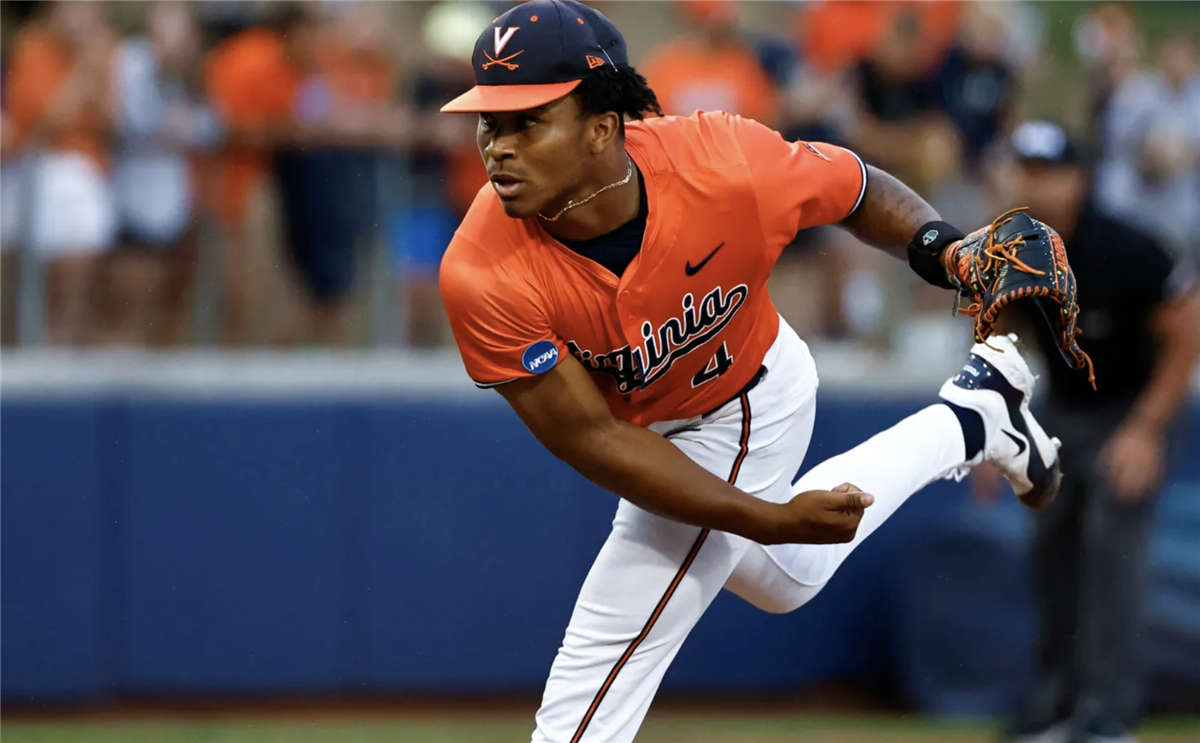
[[808, 279], [345, 114], [976, 86], [310, 106], [815, 102], [1150, 171], [839, 34], [1140, 324], [899, 125], [711, 68], [868, 79], [1024, 34], [252, 85], [1108, 39], [59, 110], [11, 185], [445, 168], [159, 119], [221, 19], [836, 35], [9, 151]]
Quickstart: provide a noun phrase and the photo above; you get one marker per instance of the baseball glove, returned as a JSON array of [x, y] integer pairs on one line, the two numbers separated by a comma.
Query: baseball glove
[[1018, 258]]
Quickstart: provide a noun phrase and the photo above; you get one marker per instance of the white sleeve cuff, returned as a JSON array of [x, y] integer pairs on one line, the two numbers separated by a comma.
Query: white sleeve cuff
[[862, 192]]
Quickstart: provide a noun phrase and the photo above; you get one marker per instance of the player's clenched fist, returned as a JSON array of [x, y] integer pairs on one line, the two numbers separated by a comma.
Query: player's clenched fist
[[821, 516]]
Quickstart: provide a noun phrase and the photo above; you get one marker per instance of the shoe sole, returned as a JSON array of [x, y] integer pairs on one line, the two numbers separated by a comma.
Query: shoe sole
[[1038, 498]]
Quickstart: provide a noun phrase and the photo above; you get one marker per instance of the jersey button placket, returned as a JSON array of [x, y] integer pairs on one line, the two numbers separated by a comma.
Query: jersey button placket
[[630, 327], [626, 315]]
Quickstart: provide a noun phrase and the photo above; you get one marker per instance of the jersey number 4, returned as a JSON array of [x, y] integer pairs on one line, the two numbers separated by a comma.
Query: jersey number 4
[[717, 365]]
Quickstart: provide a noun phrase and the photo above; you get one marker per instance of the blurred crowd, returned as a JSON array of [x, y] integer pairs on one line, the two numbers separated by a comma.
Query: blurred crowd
[[272, 173]]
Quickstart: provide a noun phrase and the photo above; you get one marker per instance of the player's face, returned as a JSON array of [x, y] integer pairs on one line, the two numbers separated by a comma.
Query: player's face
[[534, 158]]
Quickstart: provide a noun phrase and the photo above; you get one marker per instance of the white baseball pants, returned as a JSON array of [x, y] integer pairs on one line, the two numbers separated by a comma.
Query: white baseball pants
[[654, 578]]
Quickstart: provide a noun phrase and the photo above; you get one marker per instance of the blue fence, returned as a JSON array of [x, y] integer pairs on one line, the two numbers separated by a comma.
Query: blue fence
[[236, 546]]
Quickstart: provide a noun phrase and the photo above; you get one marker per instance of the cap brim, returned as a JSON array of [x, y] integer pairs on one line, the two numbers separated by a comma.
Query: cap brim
[[489, 98]]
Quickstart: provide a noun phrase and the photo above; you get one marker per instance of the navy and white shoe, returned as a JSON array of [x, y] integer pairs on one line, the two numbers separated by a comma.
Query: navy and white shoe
[[997, 383]]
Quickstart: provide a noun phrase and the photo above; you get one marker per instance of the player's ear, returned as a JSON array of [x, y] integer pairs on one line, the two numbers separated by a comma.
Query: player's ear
[[604, 130]]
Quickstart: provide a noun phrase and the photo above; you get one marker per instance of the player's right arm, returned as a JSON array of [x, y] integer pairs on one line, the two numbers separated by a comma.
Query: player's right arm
[[502, 325], [565, 411]]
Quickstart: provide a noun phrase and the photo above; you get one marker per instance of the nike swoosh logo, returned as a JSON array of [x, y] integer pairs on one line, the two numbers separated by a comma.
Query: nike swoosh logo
[[1020, 444], [691, 270]]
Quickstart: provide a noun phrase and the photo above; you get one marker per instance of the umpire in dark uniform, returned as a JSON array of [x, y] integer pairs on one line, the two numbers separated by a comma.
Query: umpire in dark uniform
[[1140, 322]]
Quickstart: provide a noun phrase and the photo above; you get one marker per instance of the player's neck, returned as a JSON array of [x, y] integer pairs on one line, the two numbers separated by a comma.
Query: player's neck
[[604, 213]]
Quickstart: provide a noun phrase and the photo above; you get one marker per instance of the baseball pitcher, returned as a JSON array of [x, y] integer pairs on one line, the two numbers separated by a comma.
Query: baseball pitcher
[[611, 283]]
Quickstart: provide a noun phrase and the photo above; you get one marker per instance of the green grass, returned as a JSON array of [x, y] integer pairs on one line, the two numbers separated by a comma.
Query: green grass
[[261, 732], [479, 729]]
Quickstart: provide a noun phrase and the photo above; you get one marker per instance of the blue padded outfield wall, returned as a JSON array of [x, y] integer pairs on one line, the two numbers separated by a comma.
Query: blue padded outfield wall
[[242, 546]]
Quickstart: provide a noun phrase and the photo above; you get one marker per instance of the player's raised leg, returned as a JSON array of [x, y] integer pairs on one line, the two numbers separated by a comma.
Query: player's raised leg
[[985, 416]]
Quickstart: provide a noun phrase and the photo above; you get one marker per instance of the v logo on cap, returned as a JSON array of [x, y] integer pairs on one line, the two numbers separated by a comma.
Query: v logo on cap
[[502, 41], [538, 52]]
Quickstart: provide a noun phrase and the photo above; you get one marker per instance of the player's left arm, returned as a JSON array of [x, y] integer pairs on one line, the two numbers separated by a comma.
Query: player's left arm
[[889, 215], [808, 184]]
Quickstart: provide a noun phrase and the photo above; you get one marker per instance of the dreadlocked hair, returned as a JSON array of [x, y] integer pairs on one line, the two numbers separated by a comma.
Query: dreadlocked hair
[[621, 89]]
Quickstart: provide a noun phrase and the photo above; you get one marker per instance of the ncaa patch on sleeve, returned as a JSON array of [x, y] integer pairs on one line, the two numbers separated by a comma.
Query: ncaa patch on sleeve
[[540, 357]]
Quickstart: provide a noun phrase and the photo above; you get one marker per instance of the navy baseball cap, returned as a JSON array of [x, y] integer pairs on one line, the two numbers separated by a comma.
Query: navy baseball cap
[[536, 53]]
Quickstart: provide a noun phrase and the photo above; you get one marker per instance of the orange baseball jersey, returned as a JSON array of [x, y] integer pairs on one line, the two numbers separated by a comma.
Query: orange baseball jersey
[[688, 324]]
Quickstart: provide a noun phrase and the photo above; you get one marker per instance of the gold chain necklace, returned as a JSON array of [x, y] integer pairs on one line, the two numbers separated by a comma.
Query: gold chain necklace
[[573, 204]]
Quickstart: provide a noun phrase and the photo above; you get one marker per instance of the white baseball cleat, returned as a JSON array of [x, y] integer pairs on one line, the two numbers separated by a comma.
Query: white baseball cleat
[[997, 383]]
